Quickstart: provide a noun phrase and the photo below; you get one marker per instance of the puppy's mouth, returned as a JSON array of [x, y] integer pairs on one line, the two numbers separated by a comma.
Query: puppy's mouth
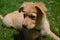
[[24, 26]]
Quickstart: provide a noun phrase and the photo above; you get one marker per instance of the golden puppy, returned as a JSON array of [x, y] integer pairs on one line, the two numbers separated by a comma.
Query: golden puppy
[[14, 19], [35, 18]]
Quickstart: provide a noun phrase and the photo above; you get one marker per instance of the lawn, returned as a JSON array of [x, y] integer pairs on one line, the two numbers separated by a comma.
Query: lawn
[[53, 15]]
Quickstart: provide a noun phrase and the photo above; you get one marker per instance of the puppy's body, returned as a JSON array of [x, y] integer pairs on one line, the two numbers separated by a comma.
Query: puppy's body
[[14, 19], [35, 13]]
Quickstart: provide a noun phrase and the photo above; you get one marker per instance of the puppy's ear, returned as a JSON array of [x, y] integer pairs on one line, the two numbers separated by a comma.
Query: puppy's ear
[[40, 15], [20, 9], [42, 7], [41, 10]]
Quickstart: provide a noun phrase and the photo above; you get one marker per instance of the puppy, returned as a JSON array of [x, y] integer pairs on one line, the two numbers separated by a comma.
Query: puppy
[[14, 19], [35, 18]]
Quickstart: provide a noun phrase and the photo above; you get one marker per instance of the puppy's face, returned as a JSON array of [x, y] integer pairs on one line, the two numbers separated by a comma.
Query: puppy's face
[[30, 14]]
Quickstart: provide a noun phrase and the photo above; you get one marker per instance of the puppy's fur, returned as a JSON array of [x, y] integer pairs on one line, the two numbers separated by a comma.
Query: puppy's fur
[[35, 17], [14, 19]]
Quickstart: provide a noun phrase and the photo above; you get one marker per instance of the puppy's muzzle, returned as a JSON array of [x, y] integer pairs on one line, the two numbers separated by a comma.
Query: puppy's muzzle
[[24, 26]]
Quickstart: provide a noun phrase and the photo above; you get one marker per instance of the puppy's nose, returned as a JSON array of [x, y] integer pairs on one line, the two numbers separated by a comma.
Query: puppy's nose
[[24, 26]]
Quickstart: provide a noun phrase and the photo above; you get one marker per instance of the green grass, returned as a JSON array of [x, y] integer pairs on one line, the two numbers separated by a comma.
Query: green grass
[[53, 14]]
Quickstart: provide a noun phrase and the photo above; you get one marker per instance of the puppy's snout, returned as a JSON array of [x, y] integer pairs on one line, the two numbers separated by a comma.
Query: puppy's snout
[[24, 26]]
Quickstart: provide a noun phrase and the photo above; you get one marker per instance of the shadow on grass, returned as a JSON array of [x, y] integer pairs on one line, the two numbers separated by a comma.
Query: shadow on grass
[[23, 35]]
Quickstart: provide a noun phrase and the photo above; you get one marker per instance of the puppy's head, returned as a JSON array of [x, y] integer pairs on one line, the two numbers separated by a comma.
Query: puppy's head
[[32, 11]]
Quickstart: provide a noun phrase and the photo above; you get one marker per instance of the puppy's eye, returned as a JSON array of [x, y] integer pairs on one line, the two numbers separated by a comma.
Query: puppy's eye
[[25, 15], [33, 17]]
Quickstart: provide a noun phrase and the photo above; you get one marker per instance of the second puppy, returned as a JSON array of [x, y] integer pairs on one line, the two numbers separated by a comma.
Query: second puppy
[[14, 19]]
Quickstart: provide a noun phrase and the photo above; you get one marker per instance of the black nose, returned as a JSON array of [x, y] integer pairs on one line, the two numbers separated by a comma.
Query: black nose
[[24, 26]]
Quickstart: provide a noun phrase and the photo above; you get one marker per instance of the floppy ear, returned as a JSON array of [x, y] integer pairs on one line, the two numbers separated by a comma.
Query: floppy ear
[[20, 9], [42, 7], [39, 17], [41, 11]]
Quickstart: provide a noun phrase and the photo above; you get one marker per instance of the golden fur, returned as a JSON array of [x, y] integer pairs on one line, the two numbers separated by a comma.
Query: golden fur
[[32, 16], [14, 19]]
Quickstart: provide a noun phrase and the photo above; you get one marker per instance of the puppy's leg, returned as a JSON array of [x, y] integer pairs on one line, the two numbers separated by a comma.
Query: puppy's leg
[[52, 35], [45, 30]]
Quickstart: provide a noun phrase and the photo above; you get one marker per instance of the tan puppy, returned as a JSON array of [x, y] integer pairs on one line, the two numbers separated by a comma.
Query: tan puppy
[[14, 19], [35, 18]]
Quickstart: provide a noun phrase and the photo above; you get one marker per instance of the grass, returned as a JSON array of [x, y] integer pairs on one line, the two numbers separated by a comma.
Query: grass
[[53, 14]]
